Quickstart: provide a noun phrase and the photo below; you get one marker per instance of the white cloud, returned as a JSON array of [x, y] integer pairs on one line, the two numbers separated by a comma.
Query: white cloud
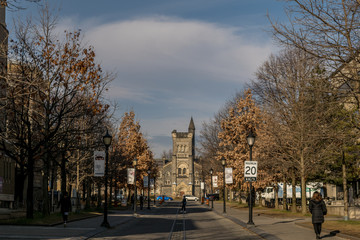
[[170, 69], [152, 52]]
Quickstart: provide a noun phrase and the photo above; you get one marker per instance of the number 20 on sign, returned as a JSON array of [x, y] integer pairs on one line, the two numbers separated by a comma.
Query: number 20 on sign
[[250, 171]]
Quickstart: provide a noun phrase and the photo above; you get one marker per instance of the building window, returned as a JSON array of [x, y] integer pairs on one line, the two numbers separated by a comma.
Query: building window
[[184, 171], [196, 174], [179, 171]]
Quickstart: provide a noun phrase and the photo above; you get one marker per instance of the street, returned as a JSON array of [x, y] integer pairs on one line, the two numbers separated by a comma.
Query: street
[[166, 221]]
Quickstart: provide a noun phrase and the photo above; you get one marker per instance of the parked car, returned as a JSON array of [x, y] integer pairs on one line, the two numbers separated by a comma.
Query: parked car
[[213, 197], [191, 198], [166, 198]]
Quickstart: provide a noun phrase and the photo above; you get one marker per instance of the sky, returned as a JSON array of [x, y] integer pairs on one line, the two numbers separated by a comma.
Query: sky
[[173, 59]]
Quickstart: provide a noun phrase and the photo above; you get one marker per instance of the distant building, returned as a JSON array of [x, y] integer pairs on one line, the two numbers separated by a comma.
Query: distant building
[[180, 175], [7, 166]]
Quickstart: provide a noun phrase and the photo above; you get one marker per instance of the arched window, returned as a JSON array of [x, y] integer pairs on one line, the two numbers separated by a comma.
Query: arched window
[[184, 171], [179, 171]]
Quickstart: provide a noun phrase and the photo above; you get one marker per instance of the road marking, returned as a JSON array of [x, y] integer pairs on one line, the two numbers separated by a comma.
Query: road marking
[[177, 231]]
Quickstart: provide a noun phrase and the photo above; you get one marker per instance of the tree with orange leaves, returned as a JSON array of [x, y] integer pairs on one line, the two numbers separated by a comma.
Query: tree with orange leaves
[[242, 118], [53, 85], [131, 144]]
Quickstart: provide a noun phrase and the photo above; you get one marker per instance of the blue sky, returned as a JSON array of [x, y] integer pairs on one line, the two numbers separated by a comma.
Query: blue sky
[[173, 59]]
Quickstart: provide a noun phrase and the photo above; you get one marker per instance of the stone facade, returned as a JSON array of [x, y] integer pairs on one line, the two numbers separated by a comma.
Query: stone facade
[[180, 175], [7, 166]]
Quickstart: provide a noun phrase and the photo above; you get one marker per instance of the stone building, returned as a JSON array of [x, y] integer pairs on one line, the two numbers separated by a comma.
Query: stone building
[[7, 166], [180, 175]]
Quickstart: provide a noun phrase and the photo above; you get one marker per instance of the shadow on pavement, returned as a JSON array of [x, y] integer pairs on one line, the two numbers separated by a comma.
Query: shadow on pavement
[[331, 234]]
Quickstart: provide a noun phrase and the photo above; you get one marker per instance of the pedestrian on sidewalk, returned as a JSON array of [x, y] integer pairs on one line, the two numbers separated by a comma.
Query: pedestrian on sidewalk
[[141, 202], [65, 204], [318, 210], [132, 201], [183, 207]]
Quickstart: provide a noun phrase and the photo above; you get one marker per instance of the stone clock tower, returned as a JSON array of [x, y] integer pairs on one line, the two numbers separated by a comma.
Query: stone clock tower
[[181, 175]]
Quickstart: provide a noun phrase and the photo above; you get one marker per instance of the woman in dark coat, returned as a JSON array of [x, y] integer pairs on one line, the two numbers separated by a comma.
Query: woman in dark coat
[[65, 204], [318, 209]]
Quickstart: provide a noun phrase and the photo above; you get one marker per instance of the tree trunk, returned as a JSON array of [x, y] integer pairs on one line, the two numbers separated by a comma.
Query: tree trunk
[[303, 184], [45, 205], [346, 202], [19, 185], [30, 189], [293, 183], [276, 196], [99, 196], [285, 195], [63, 173], [88, 194]]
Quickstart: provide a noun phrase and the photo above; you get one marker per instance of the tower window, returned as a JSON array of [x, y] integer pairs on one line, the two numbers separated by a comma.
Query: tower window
[[184, 171], [179, 171]]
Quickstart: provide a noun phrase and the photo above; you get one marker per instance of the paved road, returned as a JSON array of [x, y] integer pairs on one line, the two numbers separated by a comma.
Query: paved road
[[166, 222]]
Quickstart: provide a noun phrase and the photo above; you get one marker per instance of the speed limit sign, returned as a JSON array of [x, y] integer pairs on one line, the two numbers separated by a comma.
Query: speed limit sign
[[250, 171]]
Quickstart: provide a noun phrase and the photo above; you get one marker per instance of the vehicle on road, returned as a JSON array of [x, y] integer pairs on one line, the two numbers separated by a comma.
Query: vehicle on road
[[166, 198], [191, 198], [213, 196]]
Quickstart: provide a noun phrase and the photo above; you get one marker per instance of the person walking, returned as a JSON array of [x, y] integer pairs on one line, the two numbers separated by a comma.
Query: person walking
[[141, 202], [65, 204], [132, 201], [318, 210], [183, 206]]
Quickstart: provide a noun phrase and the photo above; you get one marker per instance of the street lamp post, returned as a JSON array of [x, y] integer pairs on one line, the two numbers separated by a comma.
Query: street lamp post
[[250, 140], [154, 189], [148, 171], [107, 142], [212, 196], [223, 163], [135, 194]]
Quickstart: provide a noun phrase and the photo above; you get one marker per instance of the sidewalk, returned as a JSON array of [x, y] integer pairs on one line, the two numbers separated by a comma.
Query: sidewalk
[[79, 229], [275, 228]]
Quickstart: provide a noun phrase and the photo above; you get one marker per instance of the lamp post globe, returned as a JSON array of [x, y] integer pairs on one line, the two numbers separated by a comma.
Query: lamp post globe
[[107, 138], [223, 163]]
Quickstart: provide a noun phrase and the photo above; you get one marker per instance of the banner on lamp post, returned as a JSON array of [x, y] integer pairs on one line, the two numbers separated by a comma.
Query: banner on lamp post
[[131, 175], [215, 181], [228, 176], [99, 163], [202, 185]]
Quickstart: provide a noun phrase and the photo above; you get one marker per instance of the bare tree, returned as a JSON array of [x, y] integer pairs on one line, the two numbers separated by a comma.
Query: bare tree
[[59, 83], [327, 30], [294, 91]]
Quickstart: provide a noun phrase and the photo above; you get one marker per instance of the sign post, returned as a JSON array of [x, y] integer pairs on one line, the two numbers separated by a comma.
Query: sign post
[[250, 171]]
